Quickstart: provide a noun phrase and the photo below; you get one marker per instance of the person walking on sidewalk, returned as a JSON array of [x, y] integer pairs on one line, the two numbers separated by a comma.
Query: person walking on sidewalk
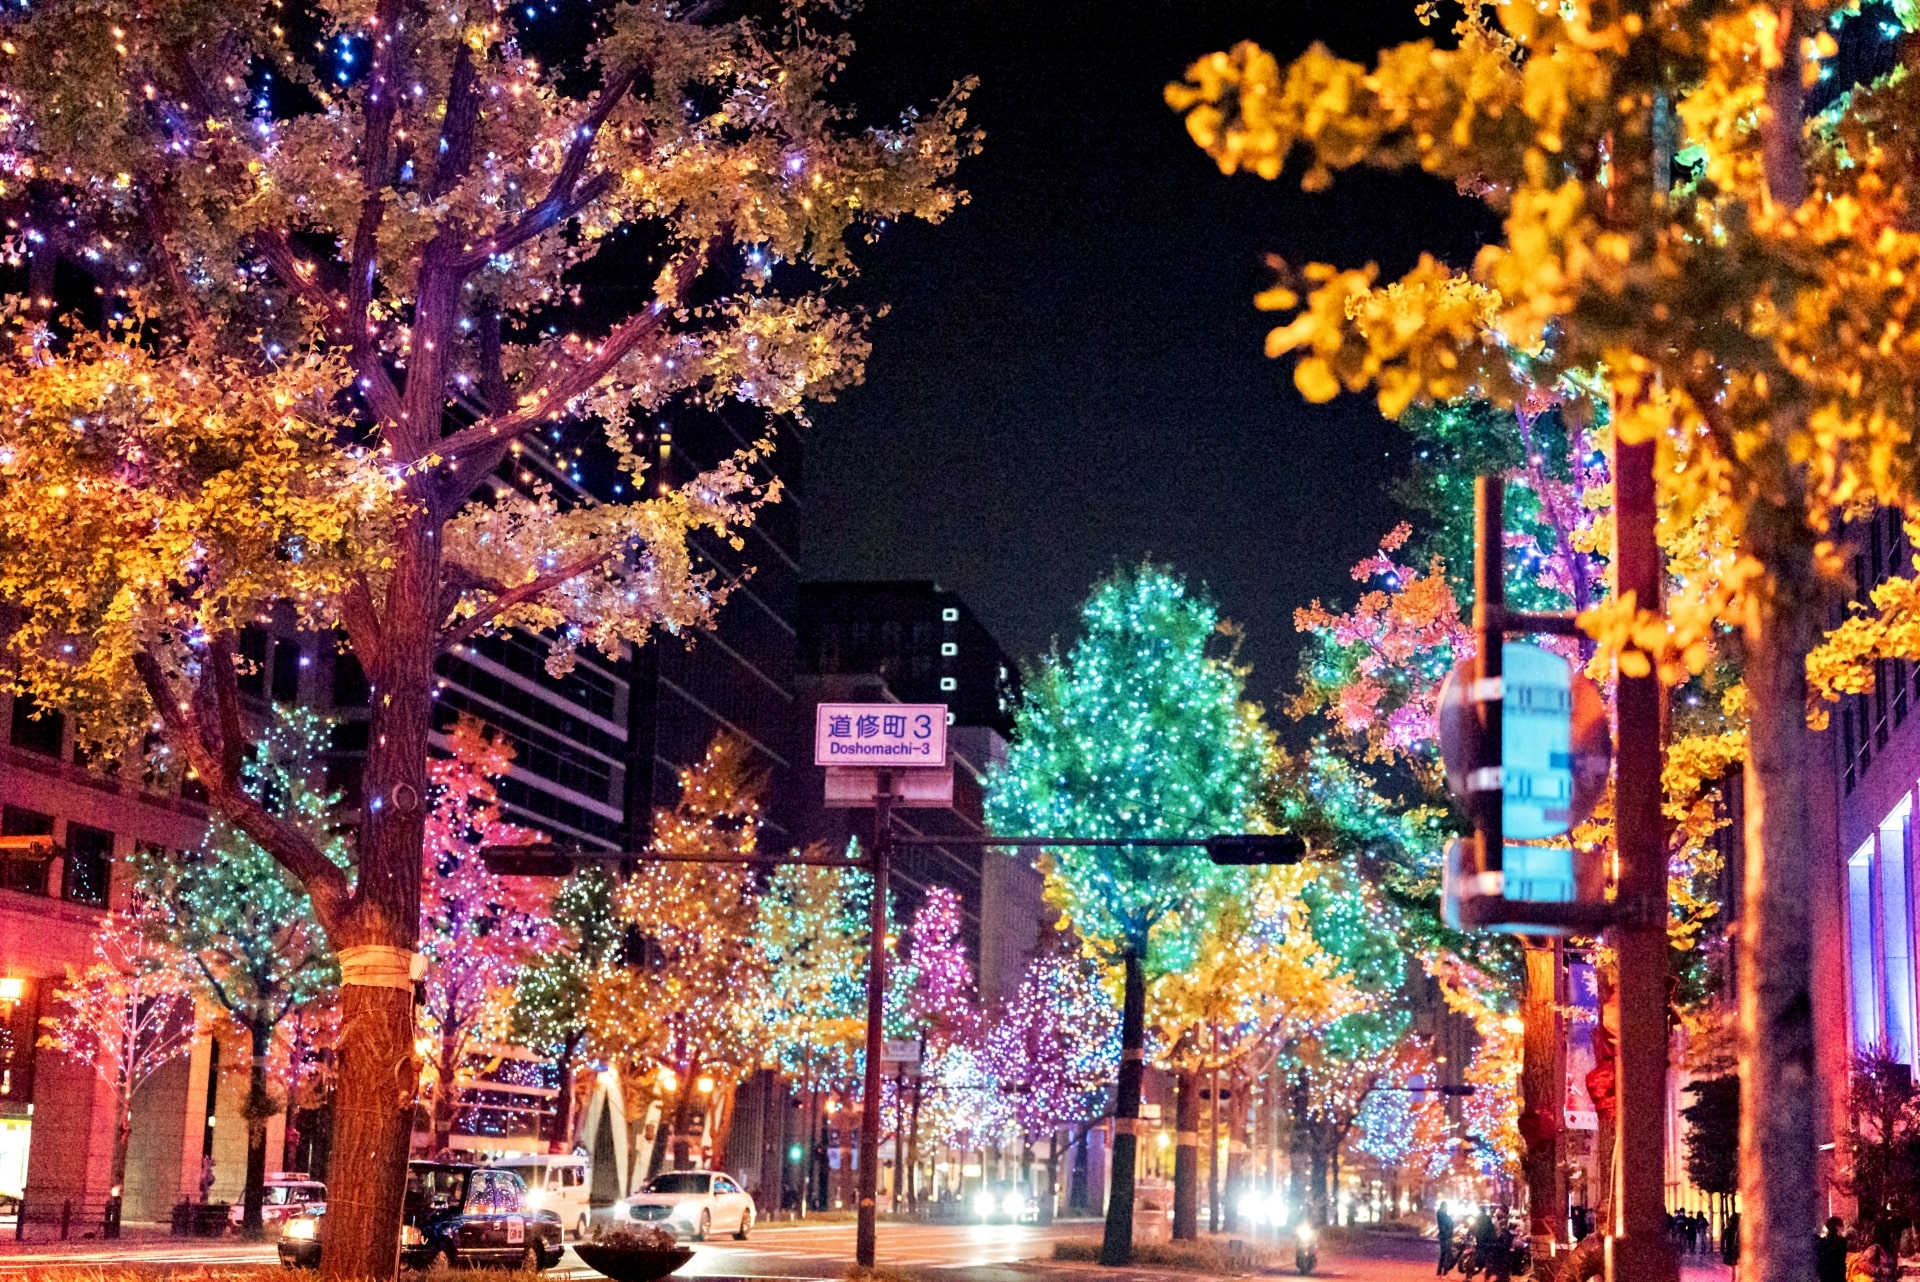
[[1830, 1254], [1443, 1226]]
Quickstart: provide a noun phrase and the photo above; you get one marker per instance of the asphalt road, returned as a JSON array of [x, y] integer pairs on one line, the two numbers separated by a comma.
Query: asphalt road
[[809, 1251], [793, 1253]]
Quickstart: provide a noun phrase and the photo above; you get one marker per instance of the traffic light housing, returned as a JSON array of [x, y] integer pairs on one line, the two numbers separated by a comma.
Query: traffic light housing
[[1255, 849]]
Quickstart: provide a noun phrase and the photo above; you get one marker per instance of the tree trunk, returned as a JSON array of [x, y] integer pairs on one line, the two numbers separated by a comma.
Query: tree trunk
[[378, 1073], [1236, 1153], [259, 1109], [1186, 1156], [1213, 1152], [1322, 1205], [373, 1120], [683, 1120], [1116, 1248], [1053, 1179], [1541, 1087], [1777, 1075], [446, 1066], [561, 1131]]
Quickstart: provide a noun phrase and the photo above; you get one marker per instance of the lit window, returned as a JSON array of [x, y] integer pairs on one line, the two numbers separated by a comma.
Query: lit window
[[950, 615], [949, 648], [948, 683], [1879, 939]]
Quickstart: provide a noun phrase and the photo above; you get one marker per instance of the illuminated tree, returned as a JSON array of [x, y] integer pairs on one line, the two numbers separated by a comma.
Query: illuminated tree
[[244, 924], [1054, 1049], [1260, 977], [552, 1001], [685, 1002], [939, 1000], [1737, 280], [476, 930], [127, 1014], [345, 263], [813, 936], [1140, 730]]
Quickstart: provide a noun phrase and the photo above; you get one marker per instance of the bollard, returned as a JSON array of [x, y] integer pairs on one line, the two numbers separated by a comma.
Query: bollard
[[20, 1218], [66, 1218]]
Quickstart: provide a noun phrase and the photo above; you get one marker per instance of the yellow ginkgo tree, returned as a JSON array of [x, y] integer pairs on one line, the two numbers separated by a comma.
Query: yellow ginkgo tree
[[320, 287], [1736, 276]]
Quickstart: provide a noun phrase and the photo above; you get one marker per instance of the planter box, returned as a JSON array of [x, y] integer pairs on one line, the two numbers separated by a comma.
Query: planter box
[[629, 1264]]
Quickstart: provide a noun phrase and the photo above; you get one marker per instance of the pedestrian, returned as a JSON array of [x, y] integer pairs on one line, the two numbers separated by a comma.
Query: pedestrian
[[1730, 1241], [1830, 1254], [1497, 1260], [1443, 1227]]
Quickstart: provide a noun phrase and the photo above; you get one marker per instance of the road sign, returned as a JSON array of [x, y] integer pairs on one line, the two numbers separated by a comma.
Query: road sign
[[1554, 743], [904, 1051], [858, 788], [1528, 875], [887, 736]]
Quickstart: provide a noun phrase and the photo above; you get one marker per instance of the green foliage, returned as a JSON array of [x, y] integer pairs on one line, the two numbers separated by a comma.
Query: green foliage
[[1140, 730], [555, 989], [230, 907], [1713, 1134], [812, 935]]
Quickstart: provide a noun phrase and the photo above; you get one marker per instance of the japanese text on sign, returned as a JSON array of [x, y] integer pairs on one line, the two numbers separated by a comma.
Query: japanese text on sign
[[882, 735]]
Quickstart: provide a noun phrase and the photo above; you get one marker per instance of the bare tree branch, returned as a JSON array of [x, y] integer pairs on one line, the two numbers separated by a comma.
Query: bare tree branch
[[456, 134], [528, 591], [566, 195], [322, 879], [226, 693], [376, 148]]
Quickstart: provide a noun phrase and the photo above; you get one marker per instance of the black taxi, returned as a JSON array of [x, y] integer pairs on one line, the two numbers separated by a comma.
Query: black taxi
[[456, 1213]]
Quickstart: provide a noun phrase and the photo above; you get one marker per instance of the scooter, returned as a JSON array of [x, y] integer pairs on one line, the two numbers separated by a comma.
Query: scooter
[[1306, 1249]]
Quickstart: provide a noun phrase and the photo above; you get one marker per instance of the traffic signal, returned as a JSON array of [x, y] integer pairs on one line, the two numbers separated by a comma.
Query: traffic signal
[[1252, 849], [793, 1152]]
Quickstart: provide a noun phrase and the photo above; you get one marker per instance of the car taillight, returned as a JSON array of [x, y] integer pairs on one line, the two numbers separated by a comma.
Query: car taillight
[[411, 1236]]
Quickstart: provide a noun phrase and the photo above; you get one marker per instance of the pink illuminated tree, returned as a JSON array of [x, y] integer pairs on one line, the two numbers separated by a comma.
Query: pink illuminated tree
[[477, 930]]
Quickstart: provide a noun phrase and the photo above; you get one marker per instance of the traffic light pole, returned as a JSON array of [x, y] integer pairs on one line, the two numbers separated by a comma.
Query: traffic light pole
[[866, 1238]]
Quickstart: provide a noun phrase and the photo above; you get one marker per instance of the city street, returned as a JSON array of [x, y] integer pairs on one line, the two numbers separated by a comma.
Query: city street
[[819, 1251]]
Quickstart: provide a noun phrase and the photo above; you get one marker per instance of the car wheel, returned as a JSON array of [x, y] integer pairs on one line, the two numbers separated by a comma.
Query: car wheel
[[746, 1226], [447, 1259], [706, 1226]]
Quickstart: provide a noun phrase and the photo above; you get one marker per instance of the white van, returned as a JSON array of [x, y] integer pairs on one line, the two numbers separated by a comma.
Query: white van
[[556, 1182]]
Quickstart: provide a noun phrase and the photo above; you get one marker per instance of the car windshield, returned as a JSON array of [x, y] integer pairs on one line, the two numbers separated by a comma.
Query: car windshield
[[435, 1188], [677, 1182], [278, 1194]]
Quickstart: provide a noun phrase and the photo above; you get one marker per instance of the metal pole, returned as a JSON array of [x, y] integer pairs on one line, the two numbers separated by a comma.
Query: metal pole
[[1489, 608], [867, 1235], [1637, 1249]]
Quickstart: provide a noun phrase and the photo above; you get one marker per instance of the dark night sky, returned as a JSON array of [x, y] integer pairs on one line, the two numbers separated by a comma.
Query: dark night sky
[[1072, 372]]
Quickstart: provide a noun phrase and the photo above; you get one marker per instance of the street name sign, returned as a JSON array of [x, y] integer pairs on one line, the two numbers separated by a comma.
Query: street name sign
[[881, 736]]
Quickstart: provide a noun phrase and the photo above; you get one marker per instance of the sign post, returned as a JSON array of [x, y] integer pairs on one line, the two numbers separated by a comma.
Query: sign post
[[871, 751]]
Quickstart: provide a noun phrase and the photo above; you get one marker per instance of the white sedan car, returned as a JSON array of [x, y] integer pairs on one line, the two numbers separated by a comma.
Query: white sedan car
[[693, 1204]]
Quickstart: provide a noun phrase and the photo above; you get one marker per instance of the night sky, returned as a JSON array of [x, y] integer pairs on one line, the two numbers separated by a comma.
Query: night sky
[[1071, 374]]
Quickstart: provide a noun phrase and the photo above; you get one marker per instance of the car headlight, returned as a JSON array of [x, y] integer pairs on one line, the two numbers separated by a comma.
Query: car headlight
[[1014, 1204], [303, 1229], [984, 1204], [412, 1236], [1306, 1234]]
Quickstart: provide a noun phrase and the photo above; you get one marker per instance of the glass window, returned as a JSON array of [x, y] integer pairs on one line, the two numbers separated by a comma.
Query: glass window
[[22, 870], [37, 729], [678, 1182], [508, 1193], [1860, 950], [1896, 935], [89, 865]]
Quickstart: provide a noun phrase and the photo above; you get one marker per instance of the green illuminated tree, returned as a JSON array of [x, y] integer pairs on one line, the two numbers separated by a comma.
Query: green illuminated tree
[[553, 999], [243, 921], [1141, 729]]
